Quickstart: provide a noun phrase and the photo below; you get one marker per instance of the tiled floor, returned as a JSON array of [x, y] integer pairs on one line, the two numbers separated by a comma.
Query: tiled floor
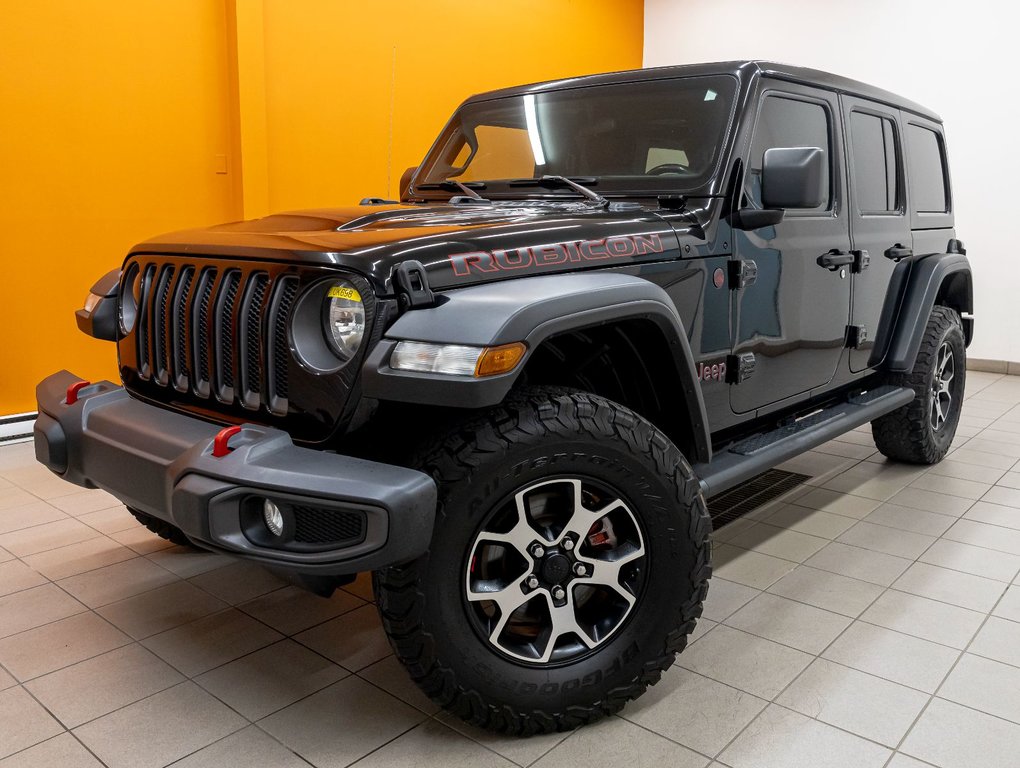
[[868, 618]]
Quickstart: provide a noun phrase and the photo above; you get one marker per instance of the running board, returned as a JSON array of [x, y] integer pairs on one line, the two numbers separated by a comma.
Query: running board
[[751, 456]]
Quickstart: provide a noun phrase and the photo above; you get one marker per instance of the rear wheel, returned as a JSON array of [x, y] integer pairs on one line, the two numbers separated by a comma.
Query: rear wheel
[[922, 430], [568, 564]]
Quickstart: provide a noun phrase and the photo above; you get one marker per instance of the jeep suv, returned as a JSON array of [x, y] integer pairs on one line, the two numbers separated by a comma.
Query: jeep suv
[[598, 302]]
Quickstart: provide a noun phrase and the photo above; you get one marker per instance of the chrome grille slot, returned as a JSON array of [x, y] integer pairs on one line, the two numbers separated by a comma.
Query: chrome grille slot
[[250, 340]]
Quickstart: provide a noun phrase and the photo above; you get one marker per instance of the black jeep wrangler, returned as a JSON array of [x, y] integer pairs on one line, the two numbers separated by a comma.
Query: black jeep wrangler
[[598, 302]]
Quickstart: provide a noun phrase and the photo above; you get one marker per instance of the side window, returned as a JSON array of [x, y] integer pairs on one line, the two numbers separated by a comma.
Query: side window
[[875, 163], [788, 122], [928, 189]]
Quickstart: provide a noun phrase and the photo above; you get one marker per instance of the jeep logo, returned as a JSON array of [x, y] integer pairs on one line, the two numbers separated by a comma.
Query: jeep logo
[[712, 371], [482, 262]]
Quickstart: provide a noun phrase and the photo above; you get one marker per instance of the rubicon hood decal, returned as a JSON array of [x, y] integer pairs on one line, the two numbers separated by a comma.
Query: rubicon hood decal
[[464, 264]]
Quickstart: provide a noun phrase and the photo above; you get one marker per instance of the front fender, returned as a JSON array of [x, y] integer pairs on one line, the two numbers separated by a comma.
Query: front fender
[[531, 310]]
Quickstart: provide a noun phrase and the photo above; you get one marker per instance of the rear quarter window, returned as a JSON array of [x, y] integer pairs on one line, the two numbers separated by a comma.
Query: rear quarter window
[[929, 191]]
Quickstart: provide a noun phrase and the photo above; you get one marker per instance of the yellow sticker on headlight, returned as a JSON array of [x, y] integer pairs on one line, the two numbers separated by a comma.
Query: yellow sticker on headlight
[[342, 292]]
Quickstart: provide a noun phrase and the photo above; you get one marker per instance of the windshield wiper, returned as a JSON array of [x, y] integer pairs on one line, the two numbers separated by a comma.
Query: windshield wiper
[[551, 181], [454, 184]]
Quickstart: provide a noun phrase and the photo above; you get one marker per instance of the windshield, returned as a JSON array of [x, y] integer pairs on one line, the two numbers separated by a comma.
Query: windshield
[[647, 136]]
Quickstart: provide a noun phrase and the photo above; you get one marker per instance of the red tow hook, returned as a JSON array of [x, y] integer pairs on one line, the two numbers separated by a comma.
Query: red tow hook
[[220, 446], [73, 390]]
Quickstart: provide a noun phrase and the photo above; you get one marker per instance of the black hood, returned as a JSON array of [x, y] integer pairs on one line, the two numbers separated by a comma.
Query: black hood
[[458, 244]]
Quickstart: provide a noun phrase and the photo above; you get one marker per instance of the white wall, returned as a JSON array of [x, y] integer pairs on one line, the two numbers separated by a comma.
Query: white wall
[[957, 58]]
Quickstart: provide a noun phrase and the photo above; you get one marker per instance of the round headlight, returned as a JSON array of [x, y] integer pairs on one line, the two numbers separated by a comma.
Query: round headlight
[[345, 319]]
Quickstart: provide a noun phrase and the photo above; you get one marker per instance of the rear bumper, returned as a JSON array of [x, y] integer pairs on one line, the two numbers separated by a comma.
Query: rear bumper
[[161, 462]]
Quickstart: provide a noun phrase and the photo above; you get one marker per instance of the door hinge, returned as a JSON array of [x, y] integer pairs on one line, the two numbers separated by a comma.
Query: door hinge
[[739, 367], [856, 335], [412, 285], [742, 273], [861, 261]]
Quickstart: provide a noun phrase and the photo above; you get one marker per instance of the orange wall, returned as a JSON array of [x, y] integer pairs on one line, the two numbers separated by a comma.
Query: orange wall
[[115, 119]]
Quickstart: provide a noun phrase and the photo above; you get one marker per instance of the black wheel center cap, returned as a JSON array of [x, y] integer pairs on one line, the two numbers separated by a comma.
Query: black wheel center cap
[[555, 568]]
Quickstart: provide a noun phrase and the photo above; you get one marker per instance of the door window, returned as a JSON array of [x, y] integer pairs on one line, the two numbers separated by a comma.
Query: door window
[[875, 163], [787, 122]]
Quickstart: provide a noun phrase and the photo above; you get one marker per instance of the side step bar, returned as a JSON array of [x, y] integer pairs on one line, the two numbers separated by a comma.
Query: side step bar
[[751, 456]]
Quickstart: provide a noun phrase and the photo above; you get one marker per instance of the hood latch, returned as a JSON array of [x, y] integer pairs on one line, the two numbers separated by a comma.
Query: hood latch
[[412, 284]]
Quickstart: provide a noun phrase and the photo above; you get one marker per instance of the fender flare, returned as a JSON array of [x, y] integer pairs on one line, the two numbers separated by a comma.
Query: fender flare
[[530, 309], [940, 275]]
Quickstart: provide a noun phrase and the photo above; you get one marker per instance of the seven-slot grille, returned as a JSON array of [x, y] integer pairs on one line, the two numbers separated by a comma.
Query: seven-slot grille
[[218, 332]]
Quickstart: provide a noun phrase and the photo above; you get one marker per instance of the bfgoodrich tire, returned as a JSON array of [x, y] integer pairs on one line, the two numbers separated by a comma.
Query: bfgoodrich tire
[[922, 430], [568, 564]]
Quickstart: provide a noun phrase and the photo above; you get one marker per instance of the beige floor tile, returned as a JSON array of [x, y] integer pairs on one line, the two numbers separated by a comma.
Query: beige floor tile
[[238, 582], [951, 486], [735, 528], [893, 656], [40, 538], [249, 747], [966, 471], [863, 704], [117, 582], [952, 736], [11, 497], [513, 748], [370, 719], [188, 561], [213, 640], [1009, 606], [270, 679], [794, 624], [919, 498], [160, 609], [62, 751], [1008, 497], [928, 619], [752, 569], [994, 514], [93, 688], [109, 520], [837, 503], [954, 587], [59, 644], [750, 663], [390, 675], [781, 738], [998, 639], [1009, 480], [361, 587], [160, 729], [6, 680], [846, 450], [141, 540], [830, 591], [5, 556], [910, 519], [86, 502], [890, 541], [873, 481], [857, 563], [78, 558], [979, 561], [984, 445], [985, 685], [693, 710], [26, 515], [813, 522], [34, 607], [779, 542], [16, 576], [23, 722], [982, 459], [984, 535], [900, 760], [614, 742], [39, 481], [292, 609], [433, 745], [725, 597], [818, 466], [353, 640]]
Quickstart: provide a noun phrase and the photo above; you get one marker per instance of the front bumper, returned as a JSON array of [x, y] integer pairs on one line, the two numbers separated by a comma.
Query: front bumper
[[161, 462]]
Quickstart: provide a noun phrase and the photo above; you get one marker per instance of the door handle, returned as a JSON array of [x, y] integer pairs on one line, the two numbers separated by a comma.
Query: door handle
[[898, 252], [835, 259]]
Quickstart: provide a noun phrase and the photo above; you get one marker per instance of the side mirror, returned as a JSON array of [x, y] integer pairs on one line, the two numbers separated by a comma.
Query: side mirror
[[793, 177], [405, 181]]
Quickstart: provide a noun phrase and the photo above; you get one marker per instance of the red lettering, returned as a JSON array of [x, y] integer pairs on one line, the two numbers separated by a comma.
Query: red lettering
[[480, 261], [546, 255], [593, 249], [620, 246], [647, 244], [513, 259]]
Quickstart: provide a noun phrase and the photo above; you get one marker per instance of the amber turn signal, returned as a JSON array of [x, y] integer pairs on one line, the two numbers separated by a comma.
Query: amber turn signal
[[501, 359]]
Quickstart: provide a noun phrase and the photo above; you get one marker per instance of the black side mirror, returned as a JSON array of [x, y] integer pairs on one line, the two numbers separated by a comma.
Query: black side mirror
[[793, 177], [405, 181]]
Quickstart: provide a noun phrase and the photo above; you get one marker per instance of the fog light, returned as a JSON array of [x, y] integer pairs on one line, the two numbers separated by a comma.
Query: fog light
[[273, 517]]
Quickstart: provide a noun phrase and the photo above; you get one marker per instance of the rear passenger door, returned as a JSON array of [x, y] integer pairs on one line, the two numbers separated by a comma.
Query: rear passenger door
[[879, 226]]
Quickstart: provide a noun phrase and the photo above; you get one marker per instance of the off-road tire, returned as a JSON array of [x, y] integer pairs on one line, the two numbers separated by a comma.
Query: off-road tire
[[906, 434], [161, 528], [540, 433]]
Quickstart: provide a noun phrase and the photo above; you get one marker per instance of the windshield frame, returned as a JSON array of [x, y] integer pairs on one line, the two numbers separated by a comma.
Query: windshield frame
[[616, 187]]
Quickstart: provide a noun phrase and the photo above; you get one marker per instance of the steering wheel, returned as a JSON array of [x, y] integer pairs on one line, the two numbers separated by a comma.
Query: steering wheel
[[664, 168]]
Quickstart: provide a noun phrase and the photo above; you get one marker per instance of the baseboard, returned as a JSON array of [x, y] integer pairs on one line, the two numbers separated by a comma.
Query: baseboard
[[993, 366], [17, 426]]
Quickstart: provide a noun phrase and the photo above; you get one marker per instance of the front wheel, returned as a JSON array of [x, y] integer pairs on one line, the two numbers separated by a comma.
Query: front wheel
[[568, 564]]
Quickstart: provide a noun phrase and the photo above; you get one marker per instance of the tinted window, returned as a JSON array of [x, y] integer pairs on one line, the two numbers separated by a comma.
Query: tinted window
[[927, 174], [875, 163], [787, 122]]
